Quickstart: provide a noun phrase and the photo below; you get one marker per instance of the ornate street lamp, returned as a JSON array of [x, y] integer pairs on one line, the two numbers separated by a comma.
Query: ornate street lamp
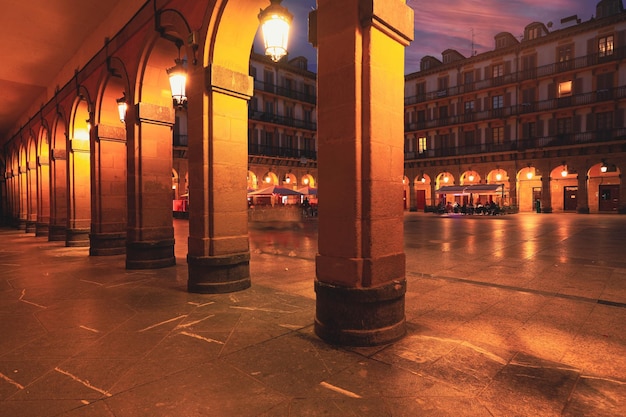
[[178, 80], [275, 21], [122, 106]]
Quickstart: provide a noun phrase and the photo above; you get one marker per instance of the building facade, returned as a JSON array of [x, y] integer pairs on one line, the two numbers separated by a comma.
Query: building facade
[[282, 129], [543, 117]]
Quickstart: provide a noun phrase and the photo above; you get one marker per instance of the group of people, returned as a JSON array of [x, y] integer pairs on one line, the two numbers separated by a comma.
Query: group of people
[[489, 208]]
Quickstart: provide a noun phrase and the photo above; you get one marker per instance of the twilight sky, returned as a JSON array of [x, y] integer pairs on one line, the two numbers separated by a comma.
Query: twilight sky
[[440, 25]]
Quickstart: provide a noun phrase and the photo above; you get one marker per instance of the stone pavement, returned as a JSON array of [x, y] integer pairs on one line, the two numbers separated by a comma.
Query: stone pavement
[[518, 315]]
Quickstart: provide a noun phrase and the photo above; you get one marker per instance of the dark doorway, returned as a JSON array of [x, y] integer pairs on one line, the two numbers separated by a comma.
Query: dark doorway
[[420, 199], [536, 196], [609, 198], [570, 200]]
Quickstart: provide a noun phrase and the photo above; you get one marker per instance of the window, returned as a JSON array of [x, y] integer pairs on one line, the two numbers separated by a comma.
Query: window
[[497, 70], [497, 102], [308, 115], [269, 107], [605, 46], [442, 83], [468, 77], [470, 137], [533, 33], [604, 121], [288, 141], [289, 110], [563, 125], [469, 106], [565, 53], [443, 112], [565, 88], [420, 89], [421, 144], [497, 135]]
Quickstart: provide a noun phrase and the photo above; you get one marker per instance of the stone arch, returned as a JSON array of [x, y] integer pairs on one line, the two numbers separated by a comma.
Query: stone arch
[[79, 164], [58, 178], [109, 163], [252, 181], [43, 180]]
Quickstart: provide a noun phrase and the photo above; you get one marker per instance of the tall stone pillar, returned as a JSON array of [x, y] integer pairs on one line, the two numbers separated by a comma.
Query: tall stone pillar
[[42, 228], [621, 209], [31, 199], [546, 192], [58, 194], [108, 207], [150, 233], [219, 252], [79, 194], [360, 284], [582, 196], [512, 179]]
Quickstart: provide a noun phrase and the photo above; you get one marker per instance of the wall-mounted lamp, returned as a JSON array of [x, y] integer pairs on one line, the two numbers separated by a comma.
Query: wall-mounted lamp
[[471, 177], [122, 106], [178, 80], [275, 21], [498, 176], [564, 170], [604, 168], [446, 179]]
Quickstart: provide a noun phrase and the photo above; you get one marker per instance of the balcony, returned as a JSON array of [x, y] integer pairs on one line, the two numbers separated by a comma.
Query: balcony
[[280, 151], [521, 109], [285, 92], [281, 120], [563, 139]]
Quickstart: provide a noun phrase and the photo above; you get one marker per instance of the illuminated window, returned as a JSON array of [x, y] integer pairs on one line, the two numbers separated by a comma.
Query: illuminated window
[[565, 88], [421, 144], [469, 106], [605, 46], [565, 53]]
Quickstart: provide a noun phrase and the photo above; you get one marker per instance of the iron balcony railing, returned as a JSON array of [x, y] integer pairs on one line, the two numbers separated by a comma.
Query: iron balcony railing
[[281, 120], [280, 151], [520, 109], [563, 139], [285, 92], [522, 75]]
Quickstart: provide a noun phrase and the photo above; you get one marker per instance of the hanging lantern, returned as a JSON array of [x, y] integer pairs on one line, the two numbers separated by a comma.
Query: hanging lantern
[[122, 106], [178, 81], [275, 21]]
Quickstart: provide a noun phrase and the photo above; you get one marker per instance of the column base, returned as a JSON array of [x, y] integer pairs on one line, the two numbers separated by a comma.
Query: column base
[[31, 226], [77, 238], [105, 244], [219, 274], [360, 316], [42, 230], [150, 255], [56, 233]]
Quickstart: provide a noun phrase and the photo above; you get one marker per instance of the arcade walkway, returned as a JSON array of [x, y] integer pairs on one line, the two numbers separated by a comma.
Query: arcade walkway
[[519, 315]]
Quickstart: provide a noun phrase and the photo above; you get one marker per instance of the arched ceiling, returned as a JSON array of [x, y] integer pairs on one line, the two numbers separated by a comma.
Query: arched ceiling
[[42, 42]]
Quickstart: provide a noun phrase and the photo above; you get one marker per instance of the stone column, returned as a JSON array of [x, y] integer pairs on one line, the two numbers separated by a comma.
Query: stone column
[[219, 252], [150, 233], [58, 195], [582, 196], [622, 193], [42, 228], [512, 180], [546, 192], [360, 283], [79, 194], [108, 208], [31, 201]]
